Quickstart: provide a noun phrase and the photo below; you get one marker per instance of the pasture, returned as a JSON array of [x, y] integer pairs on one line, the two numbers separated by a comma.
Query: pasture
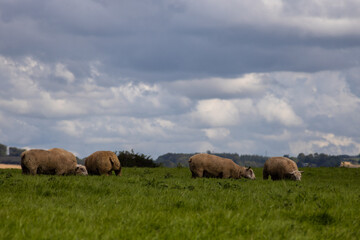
[[164, 203]]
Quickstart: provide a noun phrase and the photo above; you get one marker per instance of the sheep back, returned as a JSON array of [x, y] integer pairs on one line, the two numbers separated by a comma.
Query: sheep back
[[55, 161], [347, 164], [208, 165], [281, 168], [103, 163]]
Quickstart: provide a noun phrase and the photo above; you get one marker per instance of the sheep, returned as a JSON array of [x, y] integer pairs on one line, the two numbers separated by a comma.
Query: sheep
[[281, 168], [103, 163], [55, 161], [349, 165], [207, 165]]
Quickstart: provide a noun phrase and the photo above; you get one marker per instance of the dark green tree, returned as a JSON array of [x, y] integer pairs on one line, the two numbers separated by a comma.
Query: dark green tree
[[131, 159], [301, 157], [15, 152], [2, 150]]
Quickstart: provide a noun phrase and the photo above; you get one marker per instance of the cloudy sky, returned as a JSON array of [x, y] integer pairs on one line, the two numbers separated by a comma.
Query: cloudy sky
[[263, 77]]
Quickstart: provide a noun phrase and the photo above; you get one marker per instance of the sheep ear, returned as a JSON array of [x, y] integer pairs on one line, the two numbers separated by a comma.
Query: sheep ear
[[248, 168], [301, 171]]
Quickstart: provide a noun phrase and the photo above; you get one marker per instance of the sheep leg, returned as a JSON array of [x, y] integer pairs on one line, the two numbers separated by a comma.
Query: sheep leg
[[224, 175], [118, 172], [265, 175], [32, 171], [59, 172], [24, 169], [197, 173], [104, 172], [275, 177]]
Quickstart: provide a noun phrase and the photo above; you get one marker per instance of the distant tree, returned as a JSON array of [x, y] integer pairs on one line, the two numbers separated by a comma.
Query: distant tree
[[131, 159], [301, 157], [302, 160], [321, 160], [80, 161], [179, 165], [309, 158], [3, 149], [251, 160], [15, 152], [173, 159]]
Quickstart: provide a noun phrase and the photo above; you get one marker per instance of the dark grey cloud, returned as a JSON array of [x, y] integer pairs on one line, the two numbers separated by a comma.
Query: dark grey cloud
[[162, 40]]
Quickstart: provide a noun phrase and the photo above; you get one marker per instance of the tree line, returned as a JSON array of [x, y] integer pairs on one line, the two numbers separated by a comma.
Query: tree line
[[181, 159], [13, 151], [132, 159], [127, 158], [13, 157], [324, 160], [302, 160]]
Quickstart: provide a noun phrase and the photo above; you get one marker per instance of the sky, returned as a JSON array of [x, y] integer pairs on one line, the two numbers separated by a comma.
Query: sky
[[270, 77]]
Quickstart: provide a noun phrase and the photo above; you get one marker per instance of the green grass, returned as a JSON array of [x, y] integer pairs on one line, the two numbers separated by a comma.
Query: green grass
[[166, 203]]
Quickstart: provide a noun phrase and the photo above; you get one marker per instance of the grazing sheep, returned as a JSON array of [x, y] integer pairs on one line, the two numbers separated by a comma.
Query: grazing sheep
[[207, 165], [281, 168], [80, 170], [349, 165], [55, 161], [103, 163]]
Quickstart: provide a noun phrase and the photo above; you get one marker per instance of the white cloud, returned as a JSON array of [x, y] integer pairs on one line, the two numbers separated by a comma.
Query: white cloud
[[324, 142], [108, 128], [285, 135], [273, 6], [84, 97], [217, 133], [43, 105], [243, 146], [71, 128], [62, 72], [132, 92], [330, 138], [16, 131], [320, 26], [245, 86], [278, 110], [165, 124], [217, 112], [203, 146], [23, 95]]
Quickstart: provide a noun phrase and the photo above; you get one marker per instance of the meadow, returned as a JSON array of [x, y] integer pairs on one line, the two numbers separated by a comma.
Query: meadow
[[166, 203]]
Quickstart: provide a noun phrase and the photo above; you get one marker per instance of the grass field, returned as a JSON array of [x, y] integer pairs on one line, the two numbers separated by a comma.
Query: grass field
[[166, 203]]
